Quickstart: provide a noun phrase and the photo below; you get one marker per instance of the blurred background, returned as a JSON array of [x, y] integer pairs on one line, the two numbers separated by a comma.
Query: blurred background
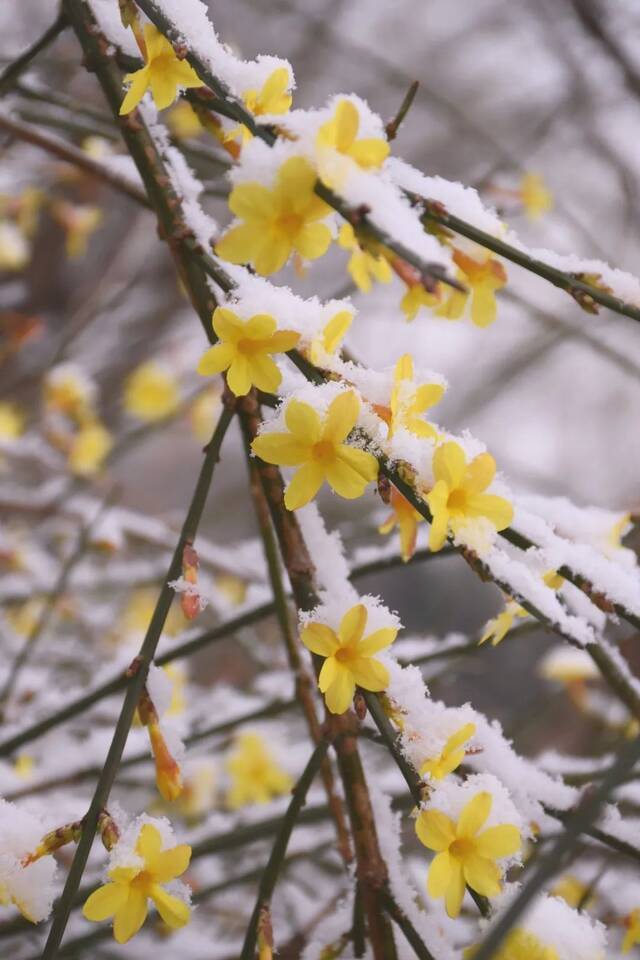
[[544, 86]]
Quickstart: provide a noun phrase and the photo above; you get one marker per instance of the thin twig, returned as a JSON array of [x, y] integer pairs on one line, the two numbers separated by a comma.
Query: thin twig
[[391, 128], [139, 670], [13, 70], [279, 849], [398, 915]]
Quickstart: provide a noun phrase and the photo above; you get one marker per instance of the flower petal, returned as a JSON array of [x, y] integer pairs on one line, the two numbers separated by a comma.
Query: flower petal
[[264, 373], [175, 912], [377, 641], [370, 152], [352, 625], [227, 324], [482, 875], [281, 449], [139, 81], [341, 417], [105, 901], [216, 359], [239, 244], [283, 340], [455, 891], [149, 843], [496, 509], [435, 829], [449, 464], [474, 814], [328, 674], [130, 916], [339, 695], [304, 485], [303, 421], [312, 241], [439, 875], [500, 841], [480, 472], [164, 86], [369, 674], [320, 639], [252, 201], [261, 326], [239, 375], [170, 863]]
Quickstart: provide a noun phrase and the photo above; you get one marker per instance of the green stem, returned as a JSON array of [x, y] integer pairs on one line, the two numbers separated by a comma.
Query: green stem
[[399, 917], [139, 670], [279, 849]]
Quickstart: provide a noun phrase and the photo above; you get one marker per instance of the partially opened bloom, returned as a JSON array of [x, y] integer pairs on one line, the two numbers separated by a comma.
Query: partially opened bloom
[[349, 657], [277, 221], [482, 278], [465, 854], [272, 98], [126, 897], [364, 264], [151, 392], [451, 755], [410, 400], [497, 628], [330, 340], [457, 496], [245, 349], [536, 198], [163, 73], [256, 776], [316, 446], [406, 518], [416, 297], [340, 136]]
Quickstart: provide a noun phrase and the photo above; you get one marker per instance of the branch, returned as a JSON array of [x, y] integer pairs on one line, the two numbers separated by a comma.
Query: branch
[[14, 69], [70, 154], [547, 864], [138, 670], [279, 849], [399, 916]]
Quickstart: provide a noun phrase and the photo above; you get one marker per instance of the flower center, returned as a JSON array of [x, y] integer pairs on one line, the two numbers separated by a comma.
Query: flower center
[[461, 848], [343, 654], [249, 347], [290, 223], [324, 451], [457, 501]]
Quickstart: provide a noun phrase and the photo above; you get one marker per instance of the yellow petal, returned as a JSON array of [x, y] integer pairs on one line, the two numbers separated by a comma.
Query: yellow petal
[[252, 201], [104, 902], [439, 875], [271, 253], [261, 326], [335, 330], [474, 814], [455, 891], [350, 473], [377, 641], [227, 325], [369, 673], [139, 81], [130, 916], [496, 509], [303, 422], [281, 449], [352, 625], [216, 359], [320, 639], [483, 306], [461, 736], [435, 830], [339, 695], [170, 863], [328, 674], [283, 340], [480, 472], [304, 485], [274, 87], [501, 841], [347, 122], [427, 395], [239, 376], [239, 244], [175, 912], [264, 373], [312, 241], [164, 86], [370, 153], [149, 843], [341, 417], [449, 464], [482, 875]]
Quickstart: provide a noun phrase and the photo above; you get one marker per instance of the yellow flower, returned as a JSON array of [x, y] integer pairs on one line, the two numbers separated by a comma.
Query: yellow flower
[[497, 628], [632, 936], [363, 264], [183, 121], [68, 390], [255, 775], [463, 854], [483, 278], [24, 766], [273, 98], [451, 755], [151, 392], [406, 518], [168, 772], [316, 445], [340, 135], [244, 350], [457, 496], [618, 531], [415, 297], [14, 248], [518, 945], [409, 402], [331, 337], [79, 222], [199, 791], [233, 588], [536, 198], [11, 421], [349, 657], [277, 221], [126, 897], [163, 73], [204, 413], [570, 889], [89, 447]]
